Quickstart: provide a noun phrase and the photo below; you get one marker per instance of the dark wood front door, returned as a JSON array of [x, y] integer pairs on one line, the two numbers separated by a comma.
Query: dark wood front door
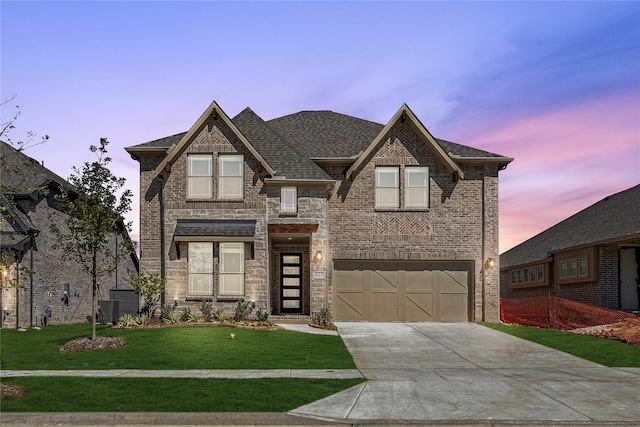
[[291, 283]]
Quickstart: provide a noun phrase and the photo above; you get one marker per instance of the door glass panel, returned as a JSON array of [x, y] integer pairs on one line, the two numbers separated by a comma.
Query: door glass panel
[[291, 303], [291, 292], [290, 270], [291, 281], [291, 259]]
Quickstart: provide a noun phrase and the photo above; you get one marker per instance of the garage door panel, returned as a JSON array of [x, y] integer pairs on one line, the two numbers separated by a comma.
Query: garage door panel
[[419, 307], [384, 306], [401, 291]]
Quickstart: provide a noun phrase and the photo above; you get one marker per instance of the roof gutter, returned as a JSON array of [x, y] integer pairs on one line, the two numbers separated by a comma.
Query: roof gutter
[[501, 160], [284, 181]]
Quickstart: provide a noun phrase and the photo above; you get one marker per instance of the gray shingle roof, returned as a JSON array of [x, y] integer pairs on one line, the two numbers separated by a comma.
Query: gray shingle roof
[[278, 152], [614, 217], [289, 143], [21, 173], [215, 227]]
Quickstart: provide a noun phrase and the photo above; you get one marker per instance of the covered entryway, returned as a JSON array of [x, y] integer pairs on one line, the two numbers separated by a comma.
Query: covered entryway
[[629, 278], [402, 290]]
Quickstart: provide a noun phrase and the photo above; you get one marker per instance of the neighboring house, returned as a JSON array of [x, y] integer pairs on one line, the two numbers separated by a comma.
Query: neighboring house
[[591, 257], [27, 208], [319, 209]]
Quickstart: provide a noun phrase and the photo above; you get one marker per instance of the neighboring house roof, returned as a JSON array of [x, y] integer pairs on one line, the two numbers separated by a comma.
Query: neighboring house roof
[[292, 146], [614, 218], [228, 229], [21, 173]]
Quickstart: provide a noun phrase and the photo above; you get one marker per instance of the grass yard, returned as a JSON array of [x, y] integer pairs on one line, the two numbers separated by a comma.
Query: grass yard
[[606, 352], [78, 394], [180, 347]]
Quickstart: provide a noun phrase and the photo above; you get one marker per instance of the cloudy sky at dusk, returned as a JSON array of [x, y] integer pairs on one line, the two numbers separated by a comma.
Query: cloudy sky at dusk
[[556, 85]]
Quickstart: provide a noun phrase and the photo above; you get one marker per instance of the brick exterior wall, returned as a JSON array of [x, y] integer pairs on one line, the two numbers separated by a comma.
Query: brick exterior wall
[[51, 273], [460, 225]]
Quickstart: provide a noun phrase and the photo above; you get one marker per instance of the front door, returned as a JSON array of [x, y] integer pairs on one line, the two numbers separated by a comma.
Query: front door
[[629, 271], [291, 283]]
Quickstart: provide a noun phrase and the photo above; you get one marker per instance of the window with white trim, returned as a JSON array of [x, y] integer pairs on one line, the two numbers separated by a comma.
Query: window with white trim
[[416, 187], [231, 269], [289, 200], [201, 268], [231, 176], [199, 176], [387, 187]]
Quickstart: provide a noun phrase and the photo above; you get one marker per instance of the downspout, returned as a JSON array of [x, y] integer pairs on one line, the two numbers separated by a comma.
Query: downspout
[[17, 294], [31, 285], [484, 255], [163, 266]]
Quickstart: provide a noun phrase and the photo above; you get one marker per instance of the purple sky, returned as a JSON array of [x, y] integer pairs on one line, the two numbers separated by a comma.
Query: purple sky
[[556, 85]]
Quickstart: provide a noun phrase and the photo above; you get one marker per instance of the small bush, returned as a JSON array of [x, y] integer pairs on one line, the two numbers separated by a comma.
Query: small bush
[[186, 312], [166, 309], [219, 315], [126, 320], [171, 318], [195, 317], [206, 308], [141, 320], [263, 315], [243, 311], [323, 317]]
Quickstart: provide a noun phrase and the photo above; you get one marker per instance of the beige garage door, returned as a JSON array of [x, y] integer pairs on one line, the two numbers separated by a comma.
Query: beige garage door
[[401, 291]]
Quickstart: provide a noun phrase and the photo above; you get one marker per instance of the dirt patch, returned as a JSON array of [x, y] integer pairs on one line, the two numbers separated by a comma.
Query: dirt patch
[[627, 331], [87, 344], [10, 391]]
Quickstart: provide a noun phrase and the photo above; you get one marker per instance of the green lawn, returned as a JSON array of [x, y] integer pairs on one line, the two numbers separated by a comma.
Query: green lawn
[[180, 347], [600, 350], [77, 394]]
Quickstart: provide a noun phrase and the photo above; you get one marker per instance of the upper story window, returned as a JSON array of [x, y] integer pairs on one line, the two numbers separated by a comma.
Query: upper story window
[[416, 187], [230, 176], [387, 187], [289, 200], [199, 176]]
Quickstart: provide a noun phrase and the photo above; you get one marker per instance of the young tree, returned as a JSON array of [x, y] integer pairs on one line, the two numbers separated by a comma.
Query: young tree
[[93, 208], [150, 287]]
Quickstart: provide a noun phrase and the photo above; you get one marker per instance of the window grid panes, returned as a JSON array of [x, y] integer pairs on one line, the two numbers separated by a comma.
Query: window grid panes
[[416, 187], [230, 176], [387, 187], [200, 268], [289, 199], [199, 176], [232, 269]]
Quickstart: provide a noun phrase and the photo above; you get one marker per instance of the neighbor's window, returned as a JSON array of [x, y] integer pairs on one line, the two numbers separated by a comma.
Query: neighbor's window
[[540, 272], [514, 277], [573, 268], [416, 187], [532, 274], [288, 200], [231, 269], [584, 270], [387, 187], [563, 269], [200, 268], [199, 176], [230, 176]]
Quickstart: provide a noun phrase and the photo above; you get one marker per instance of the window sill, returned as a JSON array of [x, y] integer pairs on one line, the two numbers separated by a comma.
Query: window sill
[[288, 214], [200, 298], [230, 298], [401, 209]]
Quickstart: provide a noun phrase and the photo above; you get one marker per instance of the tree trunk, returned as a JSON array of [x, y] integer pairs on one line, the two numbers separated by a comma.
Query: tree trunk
[[94, 297]]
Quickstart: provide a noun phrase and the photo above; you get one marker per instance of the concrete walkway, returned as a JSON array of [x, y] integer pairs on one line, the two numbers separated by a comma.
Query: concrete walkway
[[466, 373]]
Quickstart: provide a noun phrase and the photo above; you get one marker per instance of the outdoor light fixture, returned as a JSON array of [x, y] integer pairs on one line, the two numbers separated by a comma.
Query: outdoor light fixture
[[318, 256], [175, 302], [489, 263]]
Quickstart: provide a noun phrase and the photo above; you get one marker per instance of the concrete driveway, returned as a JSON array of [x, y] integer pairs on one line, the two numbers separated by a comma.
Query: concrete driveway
[[463, 372]]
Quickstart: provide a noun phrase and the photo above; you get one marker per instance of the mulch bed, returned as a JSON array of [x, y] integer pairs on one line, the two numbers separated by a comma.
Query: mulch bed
[[10, 391], [627, 331], [87, 344]]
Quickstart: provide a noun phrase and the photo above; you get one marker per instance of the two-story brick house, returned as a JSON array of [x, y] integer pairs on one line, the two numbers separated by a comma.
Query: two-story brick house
[[314, 209]]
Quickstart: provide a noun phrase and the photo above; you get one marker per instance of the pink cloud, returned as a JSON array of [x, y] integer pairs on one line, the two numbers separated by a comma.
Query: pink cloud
[[565, 160]]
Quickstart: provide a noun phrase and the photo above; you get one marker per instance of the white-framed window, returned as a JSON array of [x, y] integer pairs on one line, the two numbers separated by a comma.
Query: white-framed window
[[289, 200], [387, 187], [231, 176], [199, 176], [201, 268], [231, 269], [416, 187]]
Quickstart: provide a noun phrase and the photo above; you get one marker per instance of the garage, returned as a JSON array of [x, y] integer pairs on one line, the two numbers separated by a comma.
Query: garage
[[407, 291]]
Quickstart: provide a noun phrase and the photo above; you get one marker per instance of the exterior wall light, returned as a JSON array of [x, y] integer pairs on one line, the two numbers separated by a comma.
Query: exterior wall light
[[489, 263], [175, 302], [318, 256]]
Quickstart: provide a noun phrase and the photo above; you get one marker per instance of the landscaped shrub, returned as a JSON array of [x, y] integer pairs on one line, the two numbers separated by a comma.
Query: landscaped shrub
[[219, 315], [141, 320], [263, 315], [242, 311], [171, 318], [126, 320], [206, 308], [323, 318], [186, 312], [166, 309], [195, 317]]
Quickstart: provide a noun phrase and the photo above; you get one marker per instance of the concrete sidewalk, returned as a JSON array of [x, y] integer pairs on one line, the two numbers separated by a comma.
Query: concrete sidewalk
[[193, 373]]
